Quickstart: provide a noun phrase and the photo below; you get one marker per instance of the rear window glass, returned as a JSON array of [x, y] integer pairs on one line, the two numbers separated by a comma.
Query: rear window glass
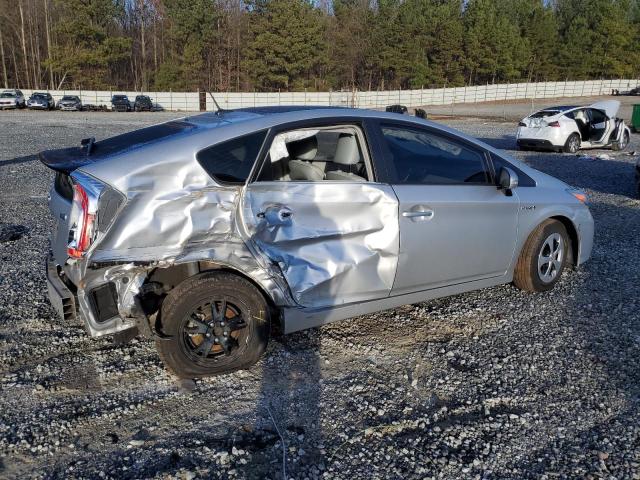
[[545, 113], [231, 161]]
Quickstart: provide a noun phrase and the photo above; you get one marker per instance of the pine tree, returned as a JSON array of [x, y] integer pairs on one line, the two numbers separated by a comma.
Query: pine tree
[[86, 51], [286, 44]]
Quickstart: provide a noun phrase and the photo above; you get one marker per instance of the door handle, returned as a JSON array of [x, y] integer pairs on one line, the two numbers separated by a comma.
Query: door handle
[[428, 213], [276, 215]]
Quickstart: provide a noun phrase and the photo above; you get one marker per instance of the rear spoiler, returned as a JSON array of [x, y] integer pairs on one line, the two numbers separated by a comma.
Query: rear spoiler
[[66, 160]]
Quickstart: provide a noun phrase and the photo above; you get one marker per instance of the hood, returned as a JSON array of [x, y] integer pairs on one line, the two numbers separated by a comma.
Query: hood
[[610, 107]]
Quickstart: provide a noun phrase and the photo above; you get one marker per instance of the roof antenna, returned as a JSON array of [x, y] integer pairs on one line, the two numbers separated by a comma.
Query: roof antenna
[[219, 111]]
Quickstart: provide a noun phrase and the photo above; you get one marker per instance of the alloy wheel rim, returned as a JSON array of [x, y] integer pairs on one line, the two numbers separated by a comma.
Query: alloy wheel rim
[[550, 257], [574, 144], [623, 142], [213, 329]]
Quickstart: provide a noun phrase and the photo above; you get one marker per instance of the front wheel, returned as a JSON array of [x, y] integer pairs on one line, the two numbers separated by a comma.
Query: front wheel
[[216, 323], [572, 144], [543, 257]]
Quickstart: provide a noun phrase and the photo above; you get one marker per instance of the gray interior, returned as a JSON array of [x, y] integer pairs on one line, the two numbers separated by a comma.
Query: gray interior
[[333, 155]]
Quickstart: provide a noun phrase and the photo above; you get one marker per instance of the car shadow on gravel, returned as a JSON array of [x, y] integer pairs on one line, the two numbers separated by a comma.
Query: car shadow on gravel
[[18, 160], [288, 410]]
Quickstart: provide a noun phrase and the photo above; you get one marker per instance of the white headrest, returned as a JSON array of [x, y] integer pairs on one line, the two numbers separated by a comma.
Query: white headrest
[[347, 152]]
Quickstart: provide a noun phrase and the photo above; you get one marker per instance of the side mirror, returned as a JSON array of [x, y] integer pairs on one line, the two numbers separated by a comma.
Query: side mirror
[[507, 180]]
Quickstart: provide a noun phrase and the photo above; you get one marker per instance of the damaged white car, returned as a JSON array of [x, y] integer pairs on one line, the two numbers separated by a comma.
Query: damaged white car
[[571, 128], [204, 232]]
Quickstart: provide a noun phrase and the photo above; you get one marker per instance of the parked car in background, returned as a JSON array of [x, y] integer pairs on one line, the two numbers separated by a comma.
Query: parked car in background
[[571, 128], [12, 98], [70, 103], [633, 92], [297, 216], [41, 101], [143, 103], [397, 109], [120, 103]]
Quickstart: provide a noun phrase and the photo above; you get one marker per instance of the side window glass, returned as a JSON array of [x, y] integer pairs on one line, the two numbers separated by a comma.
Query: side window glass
[[231, 161], [424, 157], [316, 155]]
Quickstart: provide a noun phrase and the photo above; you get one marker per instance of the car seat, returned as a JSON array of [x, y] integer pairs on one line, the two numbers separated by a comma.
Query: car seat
[[302, 152], [347, 155], [583, 124]]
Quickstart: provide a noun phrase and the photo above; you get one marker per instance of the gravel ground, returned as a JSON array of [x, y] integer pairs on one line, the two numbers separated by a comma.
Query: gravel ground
[[492, 384]]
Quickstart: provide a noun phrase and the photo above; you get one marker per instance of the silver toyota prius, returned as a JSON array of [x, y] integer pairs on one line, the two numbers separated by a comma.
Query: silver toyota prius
[[207, 232]]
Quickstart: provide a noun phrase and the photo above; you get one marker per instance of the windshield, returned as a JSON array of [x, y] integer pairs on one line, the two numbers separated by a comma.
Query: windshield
[[142, 97], [67, 98], [120, 97], [7, 95], [38, 96]]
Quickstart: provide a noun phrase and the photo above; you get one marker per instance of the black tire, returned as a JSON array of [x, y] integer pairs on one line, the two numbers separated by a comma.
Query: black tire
[[572, 145], [528, 274], [187, 319]]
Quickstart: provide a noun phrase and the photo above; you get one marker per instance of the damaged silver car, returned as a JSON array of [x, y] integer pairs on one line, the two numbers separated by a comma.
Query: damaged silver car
[[206, 233]]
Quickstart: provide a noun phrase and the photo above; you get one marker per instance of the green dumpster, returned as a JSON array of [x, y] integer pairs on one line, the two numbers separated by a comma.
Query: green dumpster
[[635, 118]]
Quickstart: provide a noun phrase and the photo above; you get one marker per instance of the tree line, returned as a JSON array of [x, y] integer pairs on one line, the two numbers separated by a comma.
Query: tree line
[[271, 45]]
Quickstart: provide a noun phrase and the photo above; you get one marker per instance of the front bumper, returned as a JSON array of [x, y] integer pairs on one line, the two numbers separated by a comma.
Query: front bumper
[[69, 108]]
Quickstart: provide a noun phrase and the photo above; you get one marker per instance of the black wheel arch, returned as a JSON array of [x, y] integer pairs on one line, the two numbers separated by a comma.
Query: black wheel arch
[[172, 276], [573, 237]]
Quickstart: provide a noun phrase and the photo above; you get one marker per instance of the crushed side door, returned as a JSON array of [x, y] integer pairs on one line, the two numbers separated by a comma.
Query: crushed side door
[[335, 242]]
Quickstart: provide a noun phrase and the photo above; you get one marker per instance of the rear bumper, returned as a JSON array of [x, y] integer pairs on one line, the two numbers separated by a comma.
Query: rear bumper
[[536, 143], [98, 305], [62, 299]]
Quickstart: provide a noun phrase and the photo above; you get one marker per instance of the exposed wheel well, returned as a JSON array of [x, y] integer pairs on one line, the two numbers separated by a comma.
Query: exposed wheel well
[[166, 279], [573, 236]]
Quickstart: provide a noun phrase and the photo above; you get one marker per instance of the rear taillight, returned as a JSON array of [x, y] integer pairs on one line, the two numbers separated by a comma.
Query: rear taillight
[[522, 124], [553, 124], [82, 219]]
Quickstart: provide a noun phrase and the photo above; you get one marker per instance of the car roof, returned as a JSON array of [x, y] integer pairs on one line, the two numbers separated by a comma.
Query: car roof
[[247, 120]]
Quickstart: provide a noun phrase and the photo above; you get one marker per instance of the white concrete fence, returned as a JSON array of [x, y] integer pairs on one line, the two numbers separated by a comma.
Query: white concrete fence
[[190, 101]]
